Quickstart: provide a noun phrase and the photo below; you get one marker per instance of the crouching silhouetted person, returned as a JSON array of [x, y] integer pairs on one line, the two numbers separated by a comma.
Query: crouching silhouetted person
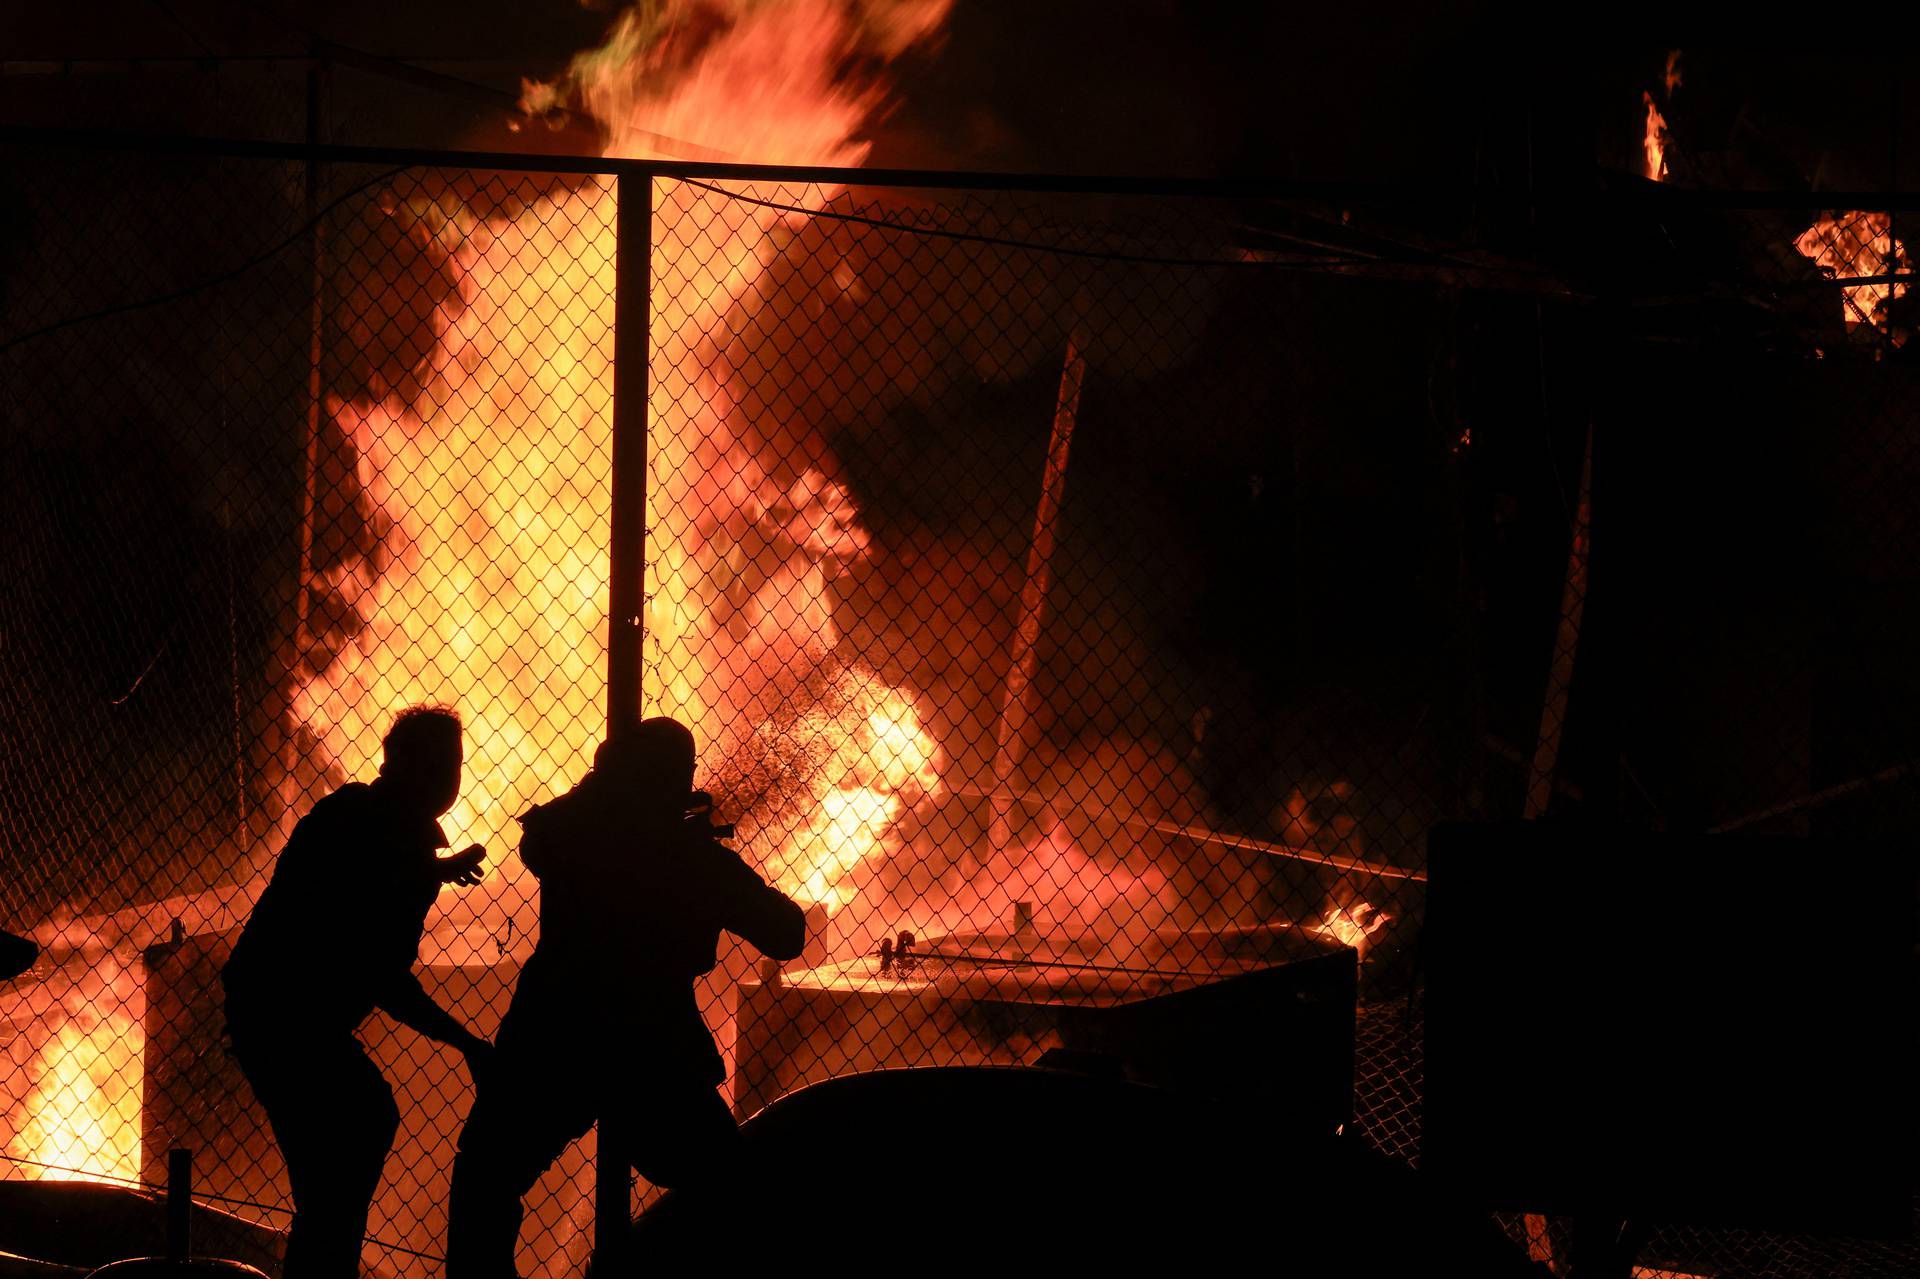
[[333, 937], [634, 893]]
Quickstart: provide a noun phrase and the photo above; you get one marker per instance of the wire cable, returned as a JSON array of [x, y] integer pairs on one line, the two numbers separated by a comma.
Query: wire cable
[[175, 295], [134, 1183], [975, 237]]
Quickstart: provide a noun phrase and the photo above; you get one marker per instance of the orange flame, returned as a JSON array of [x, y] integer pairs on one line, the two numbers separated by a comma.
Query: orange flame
[[1854, 245], [83, 1113], [874, 770], [1353, 925], [1655, 142], [492, 591]]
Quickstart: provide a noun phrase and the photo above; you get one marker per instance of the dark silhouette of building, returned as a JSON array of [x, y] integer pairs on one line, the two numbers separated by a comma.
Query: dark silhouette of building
[[333, 937], [635, 890]]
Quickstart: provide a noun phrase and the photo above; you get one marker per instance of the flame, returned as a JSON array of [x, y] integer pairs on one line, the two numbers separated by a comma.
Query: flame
[[1655, 142], [873, 771], [489, 588], [1352, 925], [83, 1113], [1852, 245]]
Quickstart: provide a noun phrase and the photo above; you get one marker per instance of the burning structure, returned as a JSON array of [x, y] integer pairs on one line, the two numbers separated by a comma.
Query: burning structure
[[1049, 574]]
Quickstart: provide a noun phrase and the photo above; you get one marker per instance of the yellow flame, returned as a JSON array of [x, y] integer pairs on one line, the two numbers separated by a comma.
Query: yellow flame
[[83, 1113], [872, 773]]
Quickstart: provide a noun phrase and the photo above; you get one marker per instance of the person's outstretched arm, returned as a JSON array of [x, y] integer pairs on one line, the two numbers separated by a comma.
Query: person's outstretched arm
[[408, 1003], [761, 914]]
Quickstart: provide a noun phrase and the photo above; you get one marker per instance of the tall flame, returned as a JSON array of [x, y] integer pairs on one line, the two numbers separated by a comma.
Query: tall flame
[[1654, 143], [491, 589]]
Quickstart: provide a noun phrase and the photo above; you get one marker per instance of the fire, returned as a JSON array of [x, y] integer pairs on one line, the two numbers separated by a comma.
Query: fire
[[489, 588], [1353, 925], [83, 1114], [1069, 892], [875, 768], [1853, 245], [1654, 143]]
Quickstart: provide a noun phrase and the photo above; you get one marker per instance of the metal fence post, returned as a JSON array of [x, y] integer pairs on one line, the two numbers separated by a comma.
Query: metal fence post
[[627, 562], [626, 633], [179, 1204]]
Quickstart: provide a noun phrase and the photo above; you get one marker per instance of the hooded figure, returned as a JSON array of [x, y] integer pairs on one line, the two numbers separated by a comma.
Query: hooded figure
[[634, 894]]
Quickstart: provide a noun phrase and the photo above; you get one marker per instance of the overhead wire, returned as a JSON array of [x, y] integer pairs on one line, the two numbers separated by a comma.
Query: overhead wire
[[200, 286], [202, 1197]]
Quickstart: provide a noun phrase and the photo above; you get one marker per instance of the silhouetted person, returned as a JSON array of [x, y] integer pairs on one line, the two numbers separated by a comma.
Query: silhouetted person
[[635, 891], [16, 955], [333, 937]]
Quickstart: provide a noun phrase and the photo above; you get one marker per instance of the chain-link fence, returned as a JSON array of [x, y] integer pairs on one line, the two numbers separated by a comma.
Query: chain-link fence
[[1082, 598]]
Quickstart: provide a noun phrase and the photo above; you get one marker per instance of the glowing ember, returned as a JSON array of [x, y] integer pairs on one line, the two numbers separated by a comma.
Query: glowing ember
[[1352, 925], [83, 1114], [1854, 245]]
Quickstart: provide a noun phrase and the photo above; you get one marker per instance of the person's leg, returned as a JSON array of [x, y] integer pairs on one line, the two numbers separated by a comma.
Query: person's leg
[[682, 1134], [521, 1121], [334, 1118]]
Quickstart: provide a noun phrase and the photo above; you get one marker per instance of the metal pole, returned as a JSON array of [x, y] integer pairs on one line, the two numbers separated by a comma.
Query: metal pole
[[1016, 711], [626, 634], [293, 669], [179, 1204], [1553, 720], [627, 558], [1566, 645]]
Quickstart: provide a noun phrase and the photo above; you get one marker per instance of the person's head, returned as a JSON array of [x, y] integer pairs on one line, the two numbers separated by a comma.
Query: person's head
[[652, 766], [422, 761]]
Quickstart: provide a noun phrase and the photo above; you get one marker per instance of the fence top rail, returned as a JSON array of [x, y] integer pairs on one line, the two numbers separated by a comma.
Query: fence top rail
[[1603, 184]]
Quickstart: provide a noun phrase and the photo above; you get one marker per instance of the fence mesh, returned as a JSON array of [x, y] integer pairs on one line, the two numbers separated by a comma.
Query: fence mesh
[[1077, 600]]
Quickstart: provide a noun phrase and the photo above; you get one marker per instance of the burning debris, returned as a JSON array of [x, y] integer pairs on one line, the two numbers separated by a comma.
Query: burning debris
[[1854, 245]]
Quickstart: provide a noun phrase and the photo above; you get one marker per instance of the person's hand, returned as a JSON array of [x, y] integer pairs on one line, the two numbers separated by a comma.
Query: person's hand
[[463, 867]]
